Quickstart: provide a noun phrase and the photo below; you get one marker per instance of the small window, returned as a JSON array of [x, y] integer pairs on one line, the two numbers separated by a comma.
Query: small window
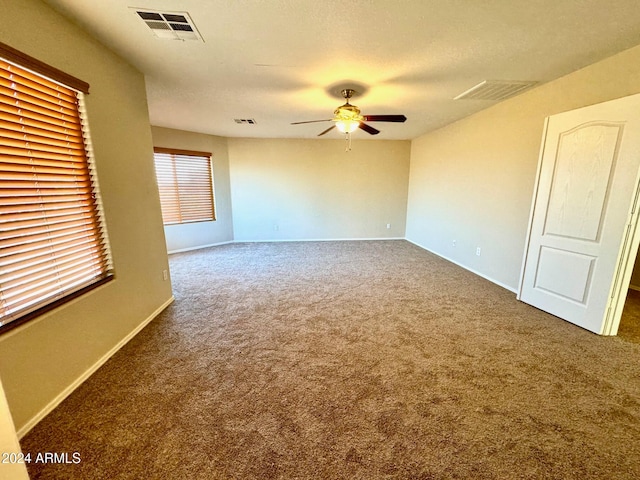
[[53, 241], [185, 182]]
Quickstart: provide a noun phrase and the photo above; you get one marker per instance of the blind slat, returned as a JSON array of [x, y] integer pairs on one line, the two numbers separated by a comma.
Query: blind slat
[[26, 259], [49, 223], [26, 129], [9, 119], [43, 145], [46, 271], [10, 252], [13, 179], [33, 154], [31, 110], [33, 117], [57, 212], [40, 236], [11, 168], [11, 204], [41, 104], [39, 162], [20, 137], [16, 84], [36, 190], [26, 297]]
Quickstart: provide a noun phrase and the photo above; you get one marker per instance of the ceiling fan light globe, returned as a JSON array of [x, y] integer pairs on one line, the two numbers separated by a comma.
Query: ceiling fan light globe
[[347, 126]]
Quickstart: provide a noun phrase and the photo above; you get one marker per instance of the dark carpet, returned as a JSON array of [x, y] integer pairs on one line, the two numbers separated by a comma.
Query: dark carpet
[[349, 360]]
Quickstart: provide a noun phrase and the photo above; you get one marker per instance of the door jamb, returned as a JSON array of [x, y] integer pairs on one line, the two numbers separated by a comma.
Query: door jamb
[[626, 262]]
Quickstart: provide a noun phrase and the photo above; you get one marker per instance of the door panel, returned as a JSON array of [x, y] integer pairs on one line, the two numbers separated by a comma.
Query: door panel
[[550, 273], [587, 153], [582, 208]]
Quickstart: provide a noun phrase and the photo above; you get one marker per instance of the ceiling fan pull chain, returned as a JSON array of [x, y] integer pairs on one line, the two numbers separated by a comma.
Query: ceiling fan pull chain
[[348, 140]]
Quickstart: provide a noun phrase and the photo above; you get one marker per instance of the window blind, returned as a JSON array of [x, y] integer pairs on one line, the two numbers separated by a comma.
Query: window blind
[[185, 184], [52, 240]]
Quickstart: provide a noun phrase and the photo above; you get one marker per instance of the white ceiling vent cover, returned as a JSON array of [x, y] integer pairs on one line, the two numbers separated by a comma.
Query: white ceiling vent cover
[[171, 25], [495, 90]]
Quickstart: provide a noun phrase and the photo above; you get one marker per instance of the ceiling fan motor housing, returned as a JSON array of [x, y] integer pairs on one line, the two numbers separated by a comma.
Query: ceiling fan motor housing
[[347, 112]]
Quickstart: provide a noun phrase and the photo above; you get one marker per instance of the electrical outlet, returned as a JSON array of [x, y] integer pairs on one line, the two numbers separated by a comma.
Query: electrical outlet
[[453, 243], [388, 225], [276, 227], [478, 251], [165, 275]]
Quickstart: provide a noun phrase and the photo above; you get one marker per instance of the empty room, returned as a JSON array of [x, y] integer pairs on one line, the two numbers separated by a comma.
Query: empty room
[[319, 239]]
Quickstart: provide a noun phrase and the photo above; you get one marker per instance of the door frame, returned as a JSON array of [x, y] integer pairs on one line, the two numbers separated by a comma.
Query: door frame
[[630, 243], [626, 261]]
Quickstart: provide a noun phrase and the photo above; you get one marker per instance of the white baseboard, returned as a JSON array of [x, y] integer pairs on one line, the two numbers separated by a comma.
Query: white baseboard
[[503, 285], [188, 249], [78, 381], [318, 240]]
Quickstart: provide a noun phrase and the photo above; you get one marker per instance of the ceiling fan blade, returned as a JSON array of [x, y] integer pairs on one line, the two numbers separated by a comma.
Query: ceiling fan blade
[[368, 128], [327, 130], [310, 121], [385, 118]]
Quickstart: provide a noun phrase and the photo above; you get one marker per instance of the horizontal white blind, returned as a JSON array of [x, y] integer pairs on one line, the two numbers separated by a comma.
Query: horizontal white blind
[[52, 242], [186, 187]]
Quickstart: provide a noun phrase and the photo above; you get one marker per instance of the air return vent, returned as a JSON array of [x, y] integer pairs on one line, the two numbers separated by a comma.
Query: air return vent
[[171, 25], [495, 90]]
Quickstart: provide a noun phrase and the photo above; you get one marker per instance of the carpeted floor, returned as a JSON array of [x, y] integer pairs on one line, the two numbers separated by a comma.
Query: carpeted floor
[[349, 360]]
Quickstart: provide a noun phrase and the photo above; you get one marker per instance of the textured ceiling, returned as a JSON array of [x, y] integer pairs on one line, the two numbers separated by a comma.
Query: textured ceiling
[[282, 61]]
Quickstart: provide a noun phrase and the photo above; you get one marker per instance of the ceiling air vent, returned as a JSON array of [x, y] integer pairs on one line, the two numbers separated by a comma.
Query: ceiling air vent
[[495, 90], [171, 25], [248, 121]]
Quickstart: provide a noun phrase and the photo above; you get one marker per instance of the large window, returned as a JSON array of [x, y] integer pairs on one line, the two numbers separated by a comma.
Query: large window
[[186, 185], [53, 243]]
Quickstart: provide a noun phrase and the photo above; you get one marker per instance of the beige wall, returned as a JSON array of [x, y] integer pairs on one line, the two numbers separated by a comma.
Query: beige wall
[[284, 189], [194, 235], [41, 360], [472, 181]]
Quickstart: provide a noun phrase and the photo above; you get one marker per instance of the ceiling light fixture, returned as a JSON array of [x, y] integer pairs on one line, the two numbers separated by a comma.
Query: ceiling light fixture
[[347, 116]]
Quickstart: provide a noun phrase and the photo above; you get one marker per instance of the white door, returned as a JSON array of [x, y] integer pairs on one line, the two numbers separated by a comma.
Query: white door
[[583, 211]]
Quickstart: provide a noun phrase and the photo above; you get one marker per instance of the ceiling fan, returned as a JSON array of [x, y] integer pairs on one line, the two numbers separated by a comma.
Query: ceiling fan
[[347, 118]]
